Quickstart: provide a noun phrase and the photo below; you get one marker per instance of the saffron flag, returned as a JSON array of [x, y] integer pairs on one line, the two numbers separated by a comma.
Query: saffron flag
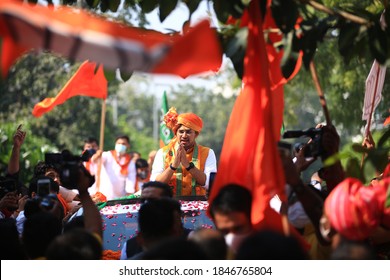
[[249, 154], [80, 35], [165, 133], [84, 82]]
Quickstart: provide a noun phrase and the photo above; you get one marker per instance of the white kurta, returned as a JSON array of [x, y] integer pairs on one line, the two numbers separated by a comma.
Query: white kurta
[[210, 166], [112, 183]]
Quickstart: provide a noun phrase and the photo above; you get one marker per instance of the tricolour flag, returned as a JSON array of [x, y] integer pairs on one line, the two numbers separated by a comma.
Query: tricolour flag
[[165, 133], [84, 82]]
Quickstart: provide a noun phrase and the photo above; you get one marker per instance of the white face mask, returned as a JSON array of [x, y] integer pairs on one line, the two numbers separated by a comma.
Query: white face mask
[[233, 241], [120, 148]]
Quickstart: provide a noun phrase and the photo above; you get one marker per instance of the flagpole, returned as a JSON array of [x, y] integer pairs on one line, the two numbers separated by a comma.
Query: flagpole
[[101, 143], [320, 92]]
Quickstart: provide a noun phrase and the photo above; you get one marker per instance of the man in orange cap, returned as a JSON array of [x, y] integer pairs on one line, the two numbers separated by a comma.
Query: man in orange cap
[[183, 164]]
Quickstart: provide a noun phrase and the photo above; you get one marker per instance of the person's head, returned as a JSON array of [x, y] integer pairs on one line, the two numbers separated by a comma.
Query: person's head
[[177, 248], [270, 245], [158, 220], [41, 168], [231, 210], [135, 155], [186, 127], [11, 248], [231, 213], [91, 143], [39, 230], [155, 190], [142, 168], [122, 144], [352, 210], [352, 250], [211, 241], [76, 244]]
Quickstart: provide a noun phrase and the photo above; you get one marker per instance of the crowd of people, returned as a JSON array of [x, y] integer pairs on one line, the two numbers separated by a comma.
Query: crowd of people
[[332, 217]]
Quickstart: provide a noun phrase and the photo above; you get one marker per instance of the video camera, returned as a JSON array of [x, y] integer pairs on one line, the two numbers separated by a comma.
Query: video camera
[[69, 166], [311, 149]]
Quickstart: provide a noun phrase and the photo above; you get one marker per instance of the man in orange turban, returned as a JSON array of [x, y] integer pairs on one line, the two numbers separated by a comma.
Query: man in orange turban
[[183, 164]]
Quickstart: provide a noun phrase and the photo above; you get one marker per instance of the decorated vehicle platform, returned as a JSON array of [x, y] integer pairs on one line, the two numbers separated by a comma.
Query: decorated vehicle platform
[[120, 218]]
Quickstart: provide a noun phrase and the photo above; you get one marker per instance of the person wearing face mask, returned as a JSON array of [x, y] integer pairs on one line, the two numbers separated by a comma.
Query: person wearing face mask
[[143, 174], [118, 172], [231, 213], [183, 164]]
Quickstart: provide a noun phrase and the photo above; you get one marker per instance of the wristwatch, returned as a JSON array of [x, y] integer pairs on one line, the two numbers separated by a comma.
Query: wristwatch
[[192, 165]]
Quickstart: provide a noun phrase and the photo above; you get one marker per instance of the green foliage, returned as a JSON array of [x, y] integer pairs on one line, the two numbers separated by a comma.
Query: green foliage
[[32, 150], [362, 163]]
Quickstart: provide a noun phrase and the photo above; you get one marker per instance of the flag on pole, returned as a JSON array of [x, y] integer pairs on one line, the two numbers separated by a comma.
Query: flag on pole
[[84, 82], [165, 133], [374, 87], [249, 154]]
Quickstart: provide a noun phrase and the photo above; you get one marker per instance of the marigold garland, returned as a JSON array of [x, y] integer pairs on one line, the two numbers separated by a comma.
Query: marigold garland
[[170, 118], [111, 255]]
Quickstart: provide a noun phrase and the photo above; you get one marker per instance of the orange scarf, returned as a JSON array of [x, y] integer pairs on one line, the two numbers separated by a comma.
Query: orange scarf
[[124, 167], [181, 180]]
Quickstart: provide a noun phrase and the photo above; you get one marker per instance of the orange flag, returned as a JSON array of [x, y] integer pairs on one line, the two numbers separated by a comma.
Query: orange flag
[[81, 36], [84, 82], [249, 155]]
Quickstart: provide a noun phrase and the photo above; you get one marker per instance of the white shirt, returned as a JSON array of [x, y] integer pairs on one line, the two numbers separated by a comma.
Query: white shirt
[[112, 183], [210, 166]]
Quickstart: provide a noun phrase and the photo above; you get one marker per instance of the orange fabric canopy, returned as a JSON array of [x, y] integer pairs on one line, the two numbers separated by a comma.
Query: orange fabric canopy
[[80, 35]]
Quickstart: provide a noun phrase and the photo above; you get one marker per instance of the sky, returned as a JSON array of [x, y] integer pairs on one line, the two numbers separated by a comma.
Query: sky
[[175, 22]]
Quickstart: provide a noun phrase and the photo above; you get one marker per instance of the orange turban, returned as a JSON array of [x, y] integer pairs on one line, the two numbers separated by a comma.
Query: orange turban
[[173, 120], [353, 209]]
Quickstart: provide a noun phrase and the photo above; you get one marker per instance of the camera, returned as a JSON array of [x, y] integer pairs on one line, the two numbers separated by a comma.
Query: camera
[[311, 149], [69, 166]]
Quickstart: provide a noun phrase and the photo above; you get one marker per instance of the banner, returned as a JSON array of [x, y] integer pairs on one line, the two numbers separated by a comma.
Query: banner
[[165, 133]]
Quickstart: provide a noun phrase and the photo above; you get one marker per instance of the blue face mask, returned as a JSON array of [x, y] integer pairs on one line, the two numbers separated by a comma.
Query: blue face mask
[[120, 148]]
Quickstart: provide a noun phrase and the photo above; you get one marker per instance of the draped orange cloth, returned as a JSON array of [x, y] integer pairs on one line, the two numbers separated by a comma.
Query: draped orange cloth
[[80, 35], [249, 155], [83, 82]]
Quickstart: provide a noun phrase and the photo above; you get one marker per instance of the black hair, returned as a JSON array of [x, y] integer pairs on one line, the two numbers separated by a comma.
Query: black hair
[[76, 244], [167, 190], [156, 219], [141, 163], [39, 230], [270, 245], [175, 249], [232, 198], [123, 137], [90, 140]]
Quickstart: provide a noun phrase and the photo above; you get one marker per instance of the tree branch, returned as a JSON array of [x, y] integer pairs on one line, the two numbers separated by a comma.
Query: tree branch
[[346, 15]]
